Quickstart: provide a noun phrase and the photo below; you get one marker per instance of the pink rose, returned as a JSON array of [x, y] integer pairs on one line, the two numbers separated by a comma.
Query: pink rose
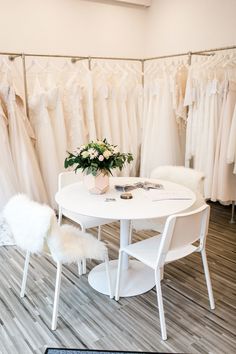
[[101, 158]]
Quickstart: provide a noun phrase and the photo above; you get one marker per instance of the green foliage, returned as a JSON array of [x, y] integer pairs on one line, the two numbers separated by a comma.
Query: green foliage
[[97, 156]]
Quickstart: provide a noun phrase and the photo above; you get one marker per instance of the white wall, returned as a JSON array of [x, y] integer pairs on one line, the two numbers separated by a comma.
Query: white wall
[[85, 27], [175, 26], [108, 28]]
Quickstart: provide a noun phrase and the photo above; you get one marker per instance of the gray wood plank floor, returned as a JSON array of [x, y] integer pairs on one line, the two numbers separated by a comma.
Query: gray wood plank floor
[[91, 320]]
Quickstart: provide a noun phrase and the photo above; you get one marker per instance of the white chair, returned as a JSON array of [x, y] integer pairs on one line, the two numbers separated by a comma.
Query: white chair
[[85, 222], [187, 177], [35, 229], [180, 232]]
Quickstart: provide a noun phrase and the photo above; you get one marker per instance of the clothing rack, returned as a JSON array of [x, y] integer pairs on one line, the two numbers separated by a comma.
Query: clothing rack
[[75, 58], [199, 52]]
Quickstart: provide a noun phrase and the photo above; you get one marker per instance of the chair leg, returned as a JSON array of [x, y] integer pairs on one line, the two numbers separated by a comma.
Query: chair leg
[[99, 232], [26, 266], [82, 264], [108, 276], [80, 269], [208, 279], [117, 294], [84, 270], [59, 216], [130, 232], [160, 304], [56, 296]]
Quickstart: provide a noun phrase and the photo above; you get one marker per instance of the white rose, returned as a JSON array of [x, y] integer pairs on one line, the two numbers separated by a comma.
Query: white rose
[[107, 154], [85, 154]]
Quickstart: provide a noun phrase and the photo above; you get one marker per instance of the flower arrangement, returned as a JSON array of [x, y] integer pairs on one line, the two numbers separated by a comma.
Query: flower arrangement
[[97, 156]]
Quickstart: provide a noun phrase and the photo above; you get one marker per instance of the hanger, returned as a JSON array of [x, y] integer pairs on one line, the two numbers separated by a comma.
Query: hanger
[[34, 63]]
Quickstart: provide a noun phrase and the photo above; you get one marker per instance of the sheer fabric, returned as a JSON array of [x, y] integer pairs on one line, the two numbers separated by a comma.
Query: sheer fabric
[[164, 114], [21, 139], [210, 141]]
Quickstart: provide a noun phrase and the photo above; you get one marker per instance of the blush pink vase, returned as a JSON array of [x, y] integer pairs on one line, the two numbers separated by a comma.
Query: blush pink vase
[[98, 184]]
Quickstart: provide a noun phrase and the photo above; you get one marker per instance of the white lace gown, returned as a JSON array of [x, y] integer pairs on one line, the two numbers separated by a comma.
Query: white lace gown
[[224, 181], [161, 141], [22, 149], [134, 115], [112, 102], [211, 116], [231, 151], [45, 140], [56, 114], [87, 85], [73, 105], [8, 179], [101, 112]]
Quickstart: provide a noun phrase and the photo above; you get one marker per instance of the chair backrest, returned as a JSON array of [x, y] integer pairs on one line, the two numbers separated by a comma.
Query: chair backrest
[[182, 230], [188, 177], [68, 177], [29, 222]]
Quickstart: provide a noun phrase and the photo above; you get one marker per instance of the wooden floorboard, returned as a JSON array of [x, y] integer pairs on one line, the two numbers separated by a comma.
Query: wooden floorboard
[[88, 319]]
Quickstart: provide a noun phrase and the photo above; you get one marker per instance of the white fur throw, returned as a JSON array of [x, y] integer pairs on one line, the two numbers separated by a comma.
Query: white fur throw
[[188, 177], [33, 225], [67, 244], [29, 222]]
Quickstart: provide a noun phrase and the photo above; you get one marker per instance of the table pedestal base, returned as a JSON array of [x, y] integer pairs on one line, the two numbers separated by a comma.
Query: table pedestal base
[[135, 280]]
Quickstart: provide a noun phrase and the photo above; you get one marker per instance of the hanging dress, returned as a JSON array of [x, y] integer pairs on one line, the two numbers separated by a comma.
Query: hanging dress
[[22, 149], [45, 141], [55, 111], [73, 105], [101, 112], [224, 181], [134, 126], [87, 85], [8, 178], [231, 152]]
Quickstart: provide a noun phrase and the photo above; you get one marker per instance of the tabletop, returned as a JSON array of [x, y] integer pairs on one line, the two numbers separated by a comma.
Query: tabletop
[[144, 204]]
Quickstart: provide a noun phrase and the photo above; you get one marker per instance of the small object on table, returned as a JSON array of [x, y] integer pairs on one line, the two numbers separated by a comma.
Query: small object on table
[[145, 185], [126, 196], [110, 200]]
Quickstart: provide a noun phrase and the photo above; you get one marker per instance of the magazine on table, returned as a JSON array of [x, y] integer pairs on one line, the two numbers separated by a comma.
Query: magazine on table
[[145, 185]]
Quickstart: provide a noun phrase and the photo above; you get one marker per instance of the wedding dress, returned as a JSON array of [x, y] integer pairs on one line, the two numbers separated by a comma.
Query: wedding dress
[[56, 114], [224, 181], [45, 140], [231, 152], [22, 150], [8, 179], [161, 140], [73, 105]]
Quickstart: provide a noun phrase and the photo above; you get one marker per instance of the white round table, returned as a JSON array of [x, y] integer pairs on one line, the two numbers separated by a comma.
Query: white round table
[[137, 278]]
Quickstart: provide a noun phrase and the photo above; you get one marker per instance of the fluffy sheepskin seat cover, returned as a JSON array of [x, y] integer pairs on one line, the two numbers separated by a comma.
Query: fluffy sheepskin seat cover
[[29, 222], [33, 224], [188, 177]]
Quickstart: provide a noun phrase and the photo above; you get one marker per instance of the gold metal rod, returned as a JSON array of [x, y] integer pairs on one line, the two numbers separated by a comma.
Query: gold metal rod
[[199, 52], [142, 62], [54, 56], [79, 57], [89, 63], [215, 49], [105, 58], [204, 54], [167, 56], [74, 60], [189, 58], [25, 85], [10, 53], [13, 57]]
